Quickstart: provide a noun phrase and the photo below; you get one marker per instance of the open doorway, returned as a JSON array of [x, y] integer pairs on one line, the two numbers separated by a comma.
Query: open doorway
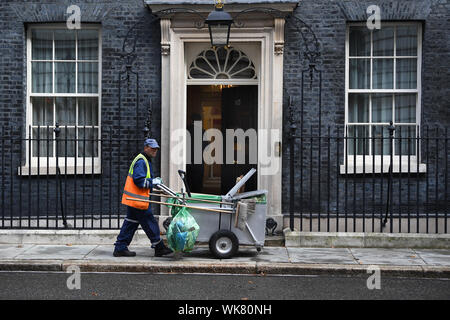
[[220, 107]]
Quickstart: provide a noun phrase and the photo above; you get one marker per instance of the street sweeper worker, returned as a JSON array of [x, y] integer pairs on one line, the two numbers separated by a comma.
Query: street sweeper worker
[[139, 184]]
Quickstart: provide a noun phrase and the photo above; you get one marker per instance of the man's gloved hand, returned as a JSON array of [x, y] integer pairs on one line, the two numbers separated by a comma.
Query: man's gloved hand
[[152, 182], [157, 181]]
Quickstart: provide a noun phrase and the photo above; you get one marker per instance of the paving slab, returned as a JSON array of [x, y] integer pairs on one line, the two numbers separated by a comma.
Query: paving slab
[[434, 257], [273, 255], [321, 255], [47, 252], [9, 251], [199, 253], [395, 257], [147, 254], [244, 255], [105, 252]]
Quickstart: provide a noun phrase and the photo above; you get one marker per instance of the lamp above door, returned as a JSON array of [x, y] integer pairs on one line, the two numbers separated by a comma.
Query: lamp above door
[[219, 24]]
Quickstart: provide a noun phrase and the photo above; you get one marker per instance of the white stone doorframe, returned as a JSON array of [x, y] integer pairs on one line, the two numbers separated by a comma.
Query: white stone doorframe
[[270, 108]]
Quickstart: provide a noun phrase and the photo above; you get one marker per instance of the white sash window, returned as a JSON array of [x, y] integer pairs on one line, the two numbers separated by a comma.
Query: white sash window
[[63, 77], [383, 69]]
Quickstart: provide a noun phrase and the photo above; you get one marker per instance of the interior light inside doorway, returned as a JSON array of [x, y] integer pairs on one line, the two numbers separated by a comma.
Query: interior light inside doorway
[[225, 86]]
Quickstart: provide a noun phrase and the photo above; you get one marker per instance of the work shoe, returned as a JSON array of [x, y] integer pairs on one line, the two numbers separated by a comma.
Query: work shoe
[[162, 250], [124, 253]]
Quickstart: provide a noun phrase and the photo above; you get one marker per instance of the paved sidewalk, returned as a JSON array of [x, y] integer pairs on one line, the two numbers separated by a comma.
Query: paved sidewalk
[[271, 260]]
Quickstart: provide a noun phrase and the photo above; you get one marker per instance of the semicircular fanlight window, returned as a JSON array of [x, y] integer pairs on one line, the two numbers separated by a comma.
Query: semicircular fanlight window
[[222, 63]]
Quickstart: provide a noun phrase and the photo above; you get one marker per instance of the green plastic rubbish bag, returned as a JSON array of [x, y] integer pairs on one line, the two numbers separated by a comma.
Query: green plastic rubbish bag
[[183, 231]]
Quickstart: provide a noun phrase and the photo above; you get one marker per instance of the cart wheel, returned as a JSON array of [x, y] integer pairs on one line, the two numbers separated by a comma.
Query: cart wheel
[[223, 244]]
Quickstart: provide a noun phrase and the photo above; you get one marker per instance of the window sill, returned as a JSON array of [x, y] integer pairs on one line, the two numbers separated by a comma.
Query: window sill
[[377, 168], [80, 170]]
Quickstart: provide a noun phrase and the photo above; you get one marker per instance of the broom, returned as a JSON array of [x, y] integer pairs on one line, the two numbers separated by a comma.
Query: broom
[[243, 209]]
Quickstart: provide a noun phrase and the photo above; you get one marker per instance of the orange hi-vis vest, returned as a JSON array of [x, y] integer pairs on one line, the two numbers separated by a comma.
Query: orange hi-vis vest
[[133, 191]]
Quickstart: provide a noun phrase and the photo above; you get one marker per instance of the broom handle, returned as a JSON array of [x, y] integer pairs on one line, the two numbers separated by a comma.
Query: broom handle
[[188, 198], [179, 205]]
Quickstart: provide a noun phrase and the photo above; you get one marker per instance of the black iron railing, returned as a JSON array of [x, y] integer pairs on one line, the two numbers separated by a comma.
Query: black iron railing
[[392, 179], [52, 180]]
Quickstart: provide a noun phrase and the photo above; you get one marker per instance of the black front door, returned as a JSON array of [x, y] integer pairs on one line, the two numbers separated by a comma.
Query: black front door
[[239, 111]]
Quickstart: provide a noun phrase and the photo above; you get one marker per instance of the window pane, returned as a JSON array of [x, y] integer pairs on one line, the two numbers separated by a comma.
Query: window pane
[[358, 139], [87, 142], [88, 77], [383, 74], [198, 74], [41, 77], [87, 45], [65, 77], [42, 111], [65, 111], [42, 44], [380, 140], [405, 108], [244, 69], [359, 41], [359, 74], [44, 138], [383, 42], [381, 107], [66, 142], [64, 45], [202, 64], [405, 140], [358, 107], [88, 111], [406, 76], [407, 41], [233, 57]]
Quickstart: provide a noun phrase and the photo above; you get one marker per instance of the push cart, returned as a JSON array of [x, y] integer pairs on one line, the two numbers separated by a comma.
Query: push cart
[[226, 221]]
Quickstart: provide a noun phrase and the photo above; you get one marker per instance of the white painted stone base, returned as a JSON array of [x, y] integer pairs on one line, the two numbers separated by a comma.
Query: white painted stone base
[[365, 240]]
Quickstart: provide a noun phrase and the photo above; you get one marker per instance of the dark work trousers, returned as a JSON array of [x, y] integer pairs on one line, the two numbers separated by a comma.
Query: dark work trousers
[[136, 217]]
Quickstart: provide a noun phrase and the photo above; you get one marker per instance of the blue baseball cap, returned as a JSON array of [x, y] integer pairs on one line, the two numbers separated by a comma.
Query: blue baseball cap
[[151, 143]]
